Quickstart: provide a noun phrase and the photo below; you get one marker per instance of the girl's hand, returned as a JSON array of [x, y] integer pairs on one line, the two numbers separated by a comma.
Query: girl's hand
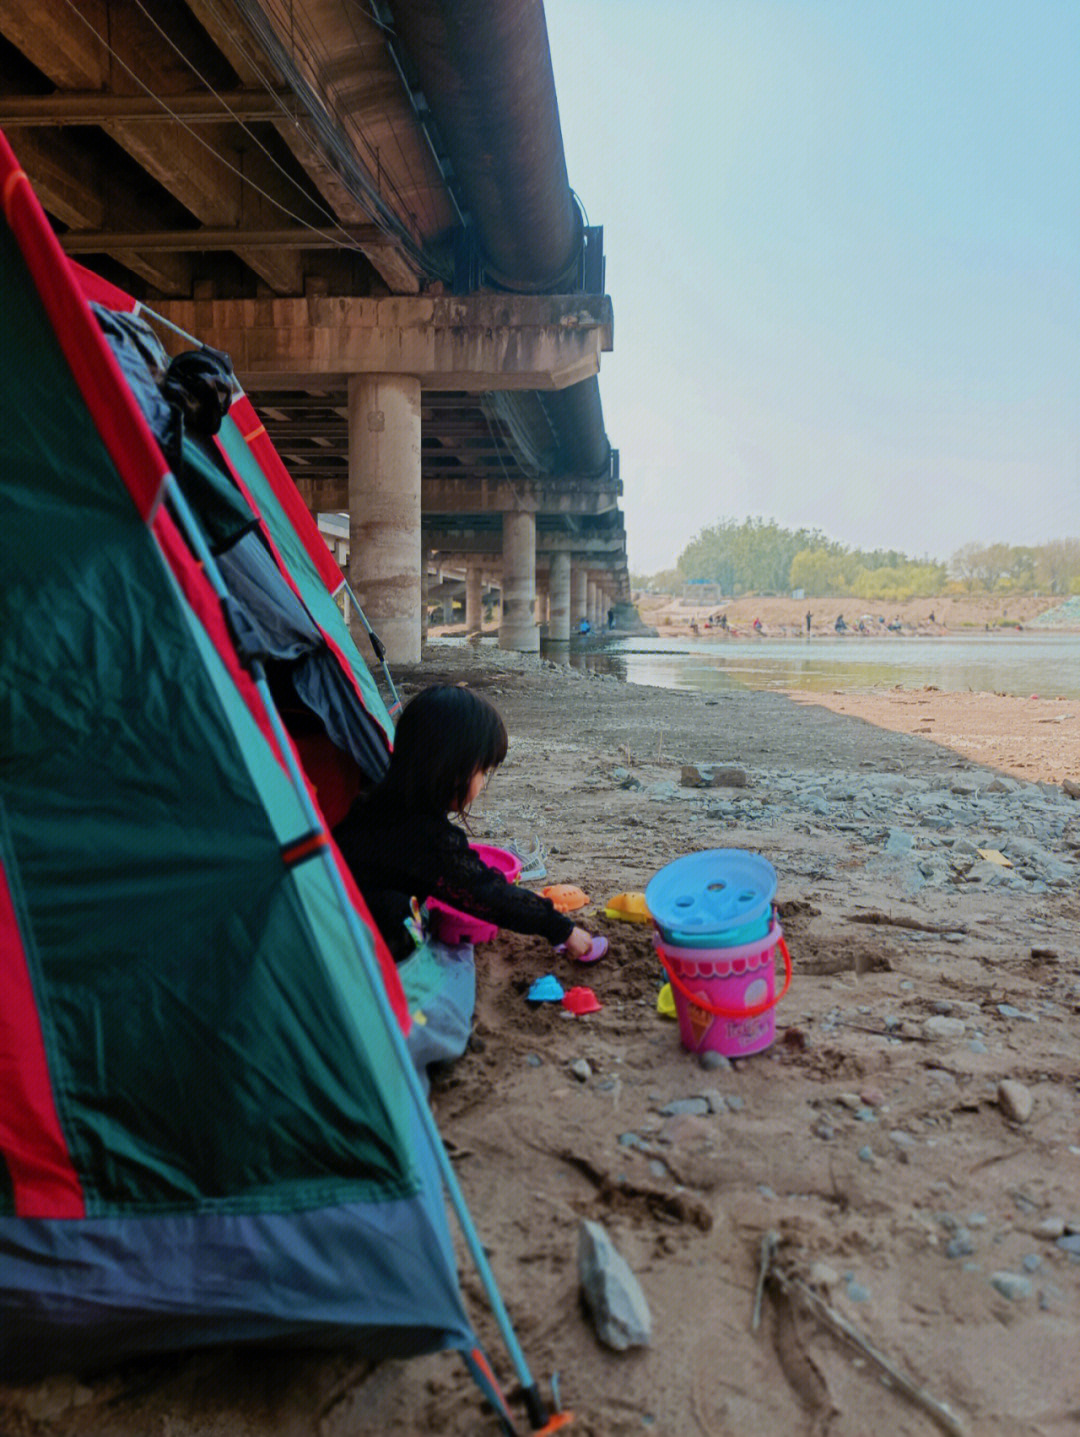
[[579, 943]]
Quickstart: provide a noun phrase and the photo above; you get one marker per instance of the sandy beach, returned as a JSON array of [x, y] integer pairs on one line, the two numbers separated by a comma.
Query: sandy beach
[[924, 1206]]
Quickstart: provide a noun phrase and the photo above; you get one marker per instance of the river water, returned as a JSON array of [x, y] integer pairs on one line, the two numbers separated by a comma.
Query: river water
[[1011, 663]]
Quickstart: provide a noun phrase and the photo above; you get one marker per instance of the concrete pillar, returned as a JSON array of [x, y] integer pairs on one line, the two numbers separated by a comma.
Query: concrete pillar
[[517, 629], [559, 627], [384, 508], [541, 602], [474, 599], [579, 581], [592, 608], [425, 590]]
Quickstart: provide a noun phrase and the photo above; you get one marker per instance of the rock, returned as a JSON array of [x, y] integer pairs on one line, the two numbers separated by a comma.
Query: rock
[[581, 1070], [612, 1293], [691, 777], [715, 1099], [823, 1276], [1070, 787], [1015, 1100], [941, 1029], [1051, 1227], [961, 1245], [1070, 1244], [712, 1061], [678, 1107], [730, 778], [1011, 1285]]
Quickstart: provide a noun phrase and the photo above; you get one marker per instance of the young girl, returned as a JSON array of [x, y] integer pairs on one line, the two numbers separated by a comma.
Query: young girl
[[399, 841]]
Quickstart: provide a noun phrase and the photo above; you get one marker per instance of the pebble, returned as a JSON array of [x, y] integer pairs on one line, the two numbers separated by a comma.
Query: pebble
[[581, 1070], [1032, 1262], [824, 1276], [714, 1062], [534, 1060], [698, 1107], [1051, 1227], [941, 1029], [961, 1245], [1015, 1100], [826, 1131], [1070, 1243], [735, 1103], [715, 1099], [1011, 1285], [857, 1293], [866, 1154]]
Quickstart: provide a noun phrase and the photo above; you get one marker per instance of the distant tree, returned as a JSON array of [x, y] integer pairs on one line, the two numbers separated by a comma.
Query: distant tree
[[1057, 564], [964, 566]]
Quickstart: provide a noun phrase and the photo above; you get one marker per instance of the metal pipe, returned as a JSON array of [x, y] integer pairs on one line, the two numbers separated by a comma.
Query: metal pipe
[[485, 72]]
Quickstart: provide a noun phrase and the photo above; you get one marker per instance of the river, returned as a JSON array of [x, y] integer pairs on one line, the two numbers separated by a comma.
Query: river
[[1010, 663]]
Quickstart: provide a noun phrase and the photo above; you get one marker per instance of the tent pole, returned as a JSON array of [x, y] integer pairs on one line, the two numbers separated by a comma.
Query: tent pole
[[378, 647], [531, 1393]]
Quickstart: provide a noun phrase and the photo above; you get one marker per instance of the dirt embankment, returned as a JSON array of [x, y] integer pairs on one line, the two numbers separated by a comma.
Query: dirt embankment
[[779, 617]]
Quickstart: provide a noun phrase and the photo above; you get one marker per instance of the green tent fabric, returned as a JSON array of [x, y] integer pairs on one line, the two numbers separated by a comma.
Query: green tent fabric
[[206, 1133]]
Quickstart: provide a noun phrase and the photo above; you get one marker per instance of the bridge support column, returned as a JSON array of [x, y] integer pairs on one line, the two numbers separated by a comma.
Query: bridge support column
[[384, 508], [559, 628], [517, 629], [474, 599], [579, 597], [592, 606]]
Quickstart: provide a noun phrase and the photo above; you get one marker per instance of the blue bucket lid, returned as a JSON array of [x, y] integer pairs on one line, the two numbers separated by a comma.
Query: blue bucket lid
[[705, 893]]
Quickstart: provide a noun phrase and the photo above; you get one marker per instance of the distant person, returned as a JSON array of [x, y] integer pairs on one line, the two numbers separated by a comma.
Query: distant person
[[584, 627], [809, 616], [757, 626], [694, 628], [840, 626], [611, 618], [932, 619]]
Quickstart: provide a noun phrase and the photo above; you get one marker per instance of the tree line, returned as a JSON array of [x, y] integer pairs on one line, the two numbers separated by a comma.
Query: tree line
[[758, 556]]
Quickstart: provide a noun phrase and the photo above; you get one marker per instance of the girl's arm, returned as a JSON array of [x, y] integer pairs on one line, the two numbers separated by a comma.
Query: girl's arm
[[467, 883]]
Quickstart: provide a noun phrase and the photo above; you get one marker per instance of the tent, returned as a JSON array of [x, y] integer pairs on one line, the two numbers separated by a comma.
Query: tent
[[210, 1129]]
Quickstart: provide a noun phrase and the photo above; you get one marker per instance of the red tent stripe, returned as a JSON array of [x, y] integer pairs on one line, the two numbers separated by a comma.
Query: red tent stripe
[[288, 496], [100, 291], [203, 600], [43, 1176], [119, 422]]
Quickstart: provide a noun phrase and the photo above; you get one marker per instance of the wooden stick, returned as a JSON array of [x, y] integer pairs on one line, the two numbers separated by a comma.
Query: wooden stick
[[842, 1328]]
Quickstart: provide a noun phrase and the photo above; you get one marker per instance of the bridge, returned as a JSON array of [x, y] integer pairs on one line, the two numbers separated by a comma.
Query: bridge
[[366, 205]]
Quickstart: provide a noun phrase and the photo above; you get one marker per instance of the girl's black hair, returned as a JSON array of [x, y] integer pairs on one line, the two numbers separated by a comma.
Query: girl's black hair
[[443, 736]]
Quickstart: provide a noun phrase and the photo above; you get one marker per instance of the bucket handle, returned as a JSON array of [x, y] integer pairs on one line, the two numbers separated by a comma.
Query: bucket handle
[[752, 1012]]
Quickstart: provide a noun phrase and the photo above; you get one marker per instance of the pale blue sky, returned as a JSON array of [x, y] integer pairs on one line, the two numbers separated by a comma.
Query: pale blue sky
[[843, 246]]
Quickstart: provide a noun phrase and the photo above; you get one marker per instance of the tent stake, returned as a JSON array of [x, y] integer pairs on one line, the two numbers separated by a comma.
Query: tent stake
[[533, 1402]]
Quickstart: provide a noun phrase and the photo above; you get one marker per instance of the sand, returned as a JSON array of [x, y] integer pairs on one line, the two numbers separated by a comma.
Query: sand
[[689, 1199]]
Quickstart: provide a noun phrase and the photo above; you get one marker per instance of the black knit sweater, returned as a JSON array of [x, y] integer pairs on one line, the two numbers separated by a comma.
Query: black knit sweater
[[397, 856]]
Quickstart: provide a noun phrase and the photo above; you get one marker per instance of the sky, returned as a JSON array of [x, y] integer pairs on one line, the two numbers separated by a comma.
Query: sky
[[843, 251]]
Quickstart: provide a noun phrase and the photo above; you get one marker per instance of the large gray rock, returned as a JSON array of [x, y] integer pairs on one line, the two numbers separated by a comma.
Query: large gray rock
[[612, 1294]]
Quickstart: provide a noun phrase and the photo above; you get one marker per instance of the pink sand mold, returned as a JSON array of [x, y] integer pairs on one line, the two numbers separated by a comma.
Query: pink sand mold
[[598, 949]]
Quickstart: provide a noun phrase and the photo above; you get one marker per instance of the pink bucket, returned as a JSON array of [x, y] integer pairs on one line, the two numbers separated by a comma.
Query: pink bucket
[[454, 927], [725, 998]]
